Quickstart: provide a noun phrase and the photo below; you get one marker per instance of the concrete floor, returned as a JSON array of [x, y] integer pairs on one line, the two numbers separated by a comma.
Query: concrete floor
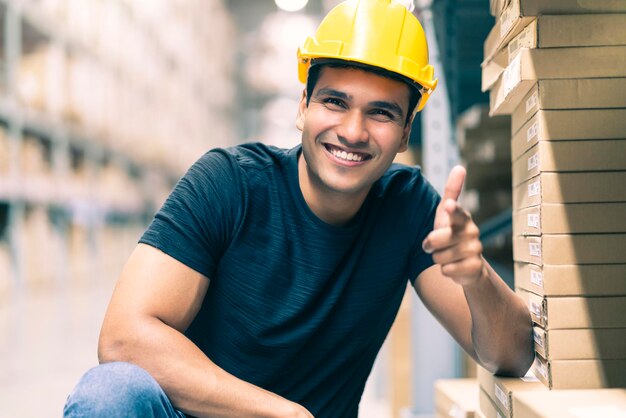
[[48, 340]]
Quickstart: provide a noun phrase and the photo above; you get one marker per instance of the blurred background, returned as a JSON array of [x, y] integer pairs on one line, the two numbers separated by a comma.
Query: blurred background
[[105, 103]]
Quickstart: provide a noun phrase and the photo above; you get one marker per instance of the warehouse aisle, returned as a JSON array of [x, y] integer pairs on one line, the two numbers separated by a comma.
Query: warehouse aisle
[[47, 341]]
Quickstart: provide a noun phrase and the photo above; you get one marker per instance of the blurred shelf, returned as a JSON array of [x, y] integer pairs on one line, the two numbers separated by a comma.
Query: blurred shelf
[[103, 106]]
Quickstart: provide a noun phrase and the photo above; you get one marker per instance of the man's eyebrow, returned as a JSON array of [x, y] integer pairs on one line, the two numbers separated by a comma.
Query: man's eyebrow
[[333, 92], [390, 106]]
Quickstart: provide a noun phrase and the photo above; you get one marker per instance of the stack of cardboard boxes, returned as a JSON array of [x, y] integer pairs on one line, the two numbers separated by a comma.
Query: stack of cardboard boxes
[[559, 69]]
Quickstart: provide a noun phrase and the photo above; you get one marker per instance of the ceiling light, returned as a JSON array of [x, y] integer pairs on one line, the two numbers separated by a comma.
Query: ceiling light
[[291, 5]]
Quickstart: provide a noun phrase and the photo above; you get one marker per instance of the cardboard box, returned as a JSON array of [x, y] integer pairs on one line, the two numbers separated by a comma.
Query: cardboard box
[[530, 65], [456, 398], [563, 249], [518, 13], [562, 156], [580, 344], [582, 187], [581, 93], [599, 403], [569, 125], [557, 31], [492, 69], [501, 389], [571, 218], [581, 374], [496, 7], [572, 280], [488, 407], [566, 312]]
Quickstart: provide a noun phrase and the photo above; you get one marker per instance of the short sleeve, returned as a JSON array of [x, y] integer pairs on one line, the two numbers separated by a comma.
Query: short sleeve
[[421, 218], [200, 216]]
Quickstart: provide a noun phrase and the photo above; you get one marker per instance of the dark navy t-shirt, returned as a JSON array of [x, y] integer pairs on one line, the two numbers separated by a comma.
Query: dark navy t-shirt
[[295, 305]]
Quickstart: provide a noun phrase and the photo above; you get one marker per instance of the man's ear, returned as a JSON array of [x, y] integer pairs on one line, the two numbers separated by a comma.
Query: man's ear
[[302, 108], [406, 134]]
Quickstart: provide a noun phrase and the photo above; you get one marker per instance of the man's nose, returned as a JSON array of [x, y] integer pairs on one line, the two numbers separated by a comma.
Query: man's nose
[[353, 130]]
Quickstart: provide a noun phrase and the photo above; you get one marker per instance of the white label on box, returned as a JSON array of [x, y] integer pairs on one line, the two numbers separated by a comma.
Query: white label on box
[[537, 338], [534, 221], [532, 132], [531, 102], [542, 369], [512, 75], [507, 18], [501, 396], [604, 411], [533, 161], [534, 188], [534, 308], [523, 40], [534, 248], [536, 278]]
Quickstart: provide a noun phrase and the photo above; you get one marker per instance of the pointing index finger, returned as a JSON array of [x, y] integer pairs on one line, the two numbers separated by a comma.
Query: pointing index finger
[[454, 185]]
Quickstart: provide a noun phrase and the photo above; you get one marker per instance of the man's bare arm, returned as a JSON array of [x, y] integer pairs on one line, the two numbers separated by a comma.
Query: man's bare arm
[[153, 303], [487, 319], [467, 296]]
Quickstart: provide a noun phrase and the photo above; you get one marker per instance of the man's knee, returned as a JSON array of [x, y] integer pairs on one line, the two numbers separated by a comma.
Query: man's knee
[[115, 390]]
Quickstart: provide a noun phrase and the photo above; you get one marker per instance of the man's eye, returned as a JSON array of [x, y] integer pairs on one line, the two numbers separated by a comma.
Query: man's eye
[[333, 101], [383, 114]]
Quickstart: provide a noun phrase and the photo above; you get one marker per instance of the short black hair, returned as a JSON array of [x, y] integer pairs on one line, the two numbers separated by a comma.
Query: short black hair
[[316, 66]]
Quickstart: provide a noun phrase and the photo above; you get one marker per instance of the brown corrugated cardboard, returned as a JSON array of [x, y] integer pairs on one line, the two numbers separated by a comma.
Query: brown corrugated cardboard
[[492, 69], [561, 156], [598, 403], [530, 65], [564, 249], [501, 389], [580, 344], [571, 218], [488, 407], [518, 13], [575, 312], [581, 374], [495, 7], [569, 125], [557, 31], [585, 187], [572, 280], [582, 93], [456, 398]]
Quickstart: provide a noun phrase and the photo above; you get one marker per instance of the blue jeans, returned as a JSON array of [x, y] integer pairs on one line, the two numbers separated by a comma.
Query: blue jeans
[[119, 390]]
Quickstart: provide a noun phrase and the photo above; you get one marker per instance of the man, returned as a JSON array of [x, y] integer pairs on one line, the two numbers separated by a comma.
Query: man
[[268, 281]]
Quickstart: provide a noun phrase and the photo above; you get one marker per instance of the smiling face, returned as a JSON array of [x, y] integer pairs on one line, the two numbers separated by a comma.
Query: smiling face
[[352, 130]]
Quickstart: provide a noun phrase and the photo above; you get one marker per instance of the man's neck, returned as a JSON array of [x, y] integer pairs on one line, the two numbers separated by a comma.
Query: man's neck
[[330, 206]]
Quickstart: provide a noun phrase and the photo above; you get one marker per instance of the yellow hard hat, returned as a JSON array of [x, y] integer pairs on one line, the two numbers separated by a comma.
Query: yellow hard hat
[[380, 33]]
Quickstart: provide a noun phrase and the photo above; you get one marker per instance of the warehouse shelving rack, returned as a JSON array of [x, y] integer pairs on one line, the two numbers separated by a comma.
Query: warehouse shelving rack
[[71, 148]]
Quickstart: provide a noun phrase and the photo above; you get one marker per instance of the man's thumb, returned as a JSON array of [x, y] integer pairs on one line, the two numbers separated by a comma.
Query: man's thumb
[[454, 185]]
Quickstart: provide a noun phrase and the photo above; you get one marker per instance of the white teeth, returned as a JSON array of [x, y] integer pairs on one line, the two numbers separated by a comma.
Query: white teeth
[[349, 156]]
